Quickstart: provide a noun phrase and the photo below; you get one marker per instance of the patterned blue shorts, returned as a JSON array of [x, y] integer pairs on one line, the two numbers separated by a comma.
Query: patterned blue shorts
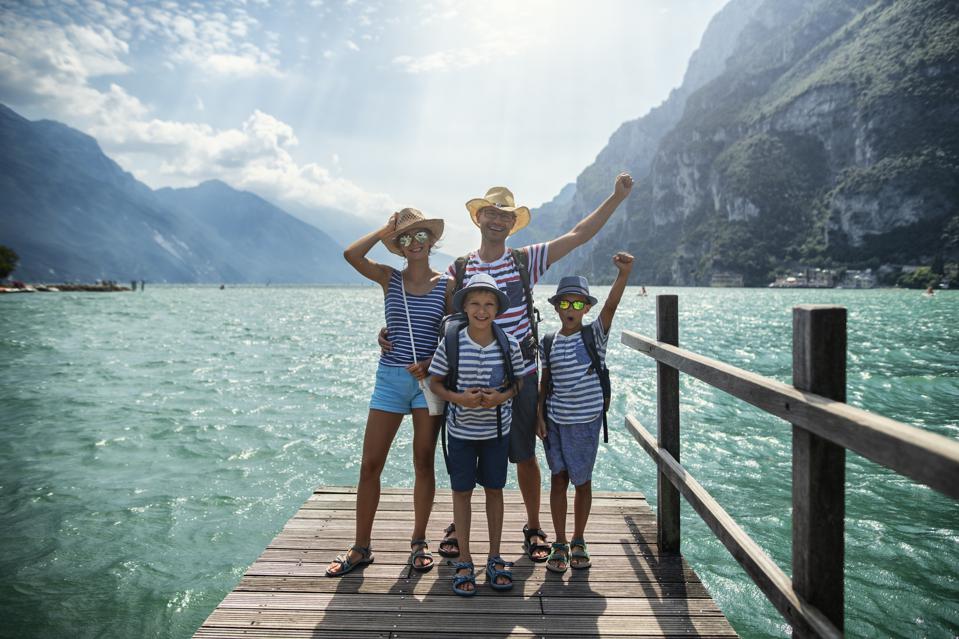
[[573, 447]]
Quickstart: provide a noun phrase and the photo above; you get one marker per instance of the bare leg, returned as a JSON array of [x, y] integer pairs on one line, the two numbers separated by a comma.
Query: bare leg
[[528, 478], [582, 503], [494, 521], [381, 428], [559, 483], [425, 430], [462, 517]]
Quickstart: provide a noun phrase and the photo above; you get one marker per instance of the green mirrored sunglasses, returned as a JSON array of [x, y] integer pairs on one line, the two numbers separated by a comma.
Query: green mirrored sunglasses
[[565, 304], [407, 238]]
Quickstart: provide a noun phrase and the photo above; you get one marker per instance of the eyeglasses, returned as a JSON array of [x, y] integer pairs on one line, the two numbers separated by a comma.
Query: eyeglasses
[[502, 216], [565, 304], [407, 238]]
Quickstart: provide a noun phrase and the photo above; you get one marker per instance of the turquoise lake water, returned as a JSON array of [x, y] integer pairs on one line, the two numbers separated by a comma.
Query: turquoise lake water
[[153, 443]]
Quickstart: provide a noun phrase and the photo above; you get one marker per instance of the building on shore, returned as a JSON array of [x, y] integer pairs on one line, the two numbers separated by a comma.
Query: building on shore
[[859, 279], [723, 279], [806, 277]]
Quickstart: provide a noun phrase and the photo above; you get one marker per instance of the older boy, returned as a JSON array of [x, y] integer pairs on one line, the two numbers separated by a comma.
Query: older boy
[[572, 405], [480, 392]]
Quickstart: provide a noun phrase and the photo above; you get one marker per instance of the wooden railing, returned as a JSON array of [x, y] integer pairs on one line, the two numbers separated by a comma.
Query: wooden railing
[[823, 428]]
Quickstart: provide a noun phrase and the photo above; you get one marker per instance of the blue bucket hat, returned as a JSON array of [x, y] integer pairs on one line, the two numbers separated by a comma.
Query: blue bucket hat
[[573, 285], [481, 282]]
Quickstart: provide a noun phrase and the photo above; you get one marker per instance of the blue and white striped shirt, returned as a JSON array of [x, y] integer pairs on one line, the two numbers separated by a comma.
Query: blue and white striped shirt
[[515, 320], [577, 396], [426, 311], [479, 367]]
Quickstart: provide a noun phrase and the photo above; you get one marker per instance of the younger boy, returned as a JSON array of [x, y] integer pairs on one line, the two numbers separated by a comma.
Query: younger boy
[[478, 422], [572, 406]]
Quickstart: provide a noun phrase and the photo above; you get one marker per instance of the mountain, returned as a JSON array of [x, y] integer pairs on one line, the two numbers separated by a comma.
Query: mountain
[[72, 214], [827, 135], [265, 243]]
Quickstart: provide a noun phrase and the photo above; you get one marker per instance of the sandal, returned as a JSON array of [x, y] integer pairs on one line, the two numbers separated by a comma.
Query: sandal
[[531, 547], [366, 557], [582, 555], [419, 550], [493, 573], [554, 556], [450, 541], [459, 580]]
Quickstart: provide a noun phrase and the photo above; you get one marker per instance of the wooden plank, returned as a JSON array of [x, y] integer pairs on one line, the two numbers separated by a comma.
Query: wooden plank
[[667, 419], [923, 456], [632, 590], [819, 466], [545, 586], [762, 570]]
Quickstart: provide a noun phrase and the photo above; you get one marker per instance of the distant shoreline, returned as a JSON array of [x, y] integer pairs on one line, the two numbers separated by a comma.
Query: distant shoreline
[[63, 288]]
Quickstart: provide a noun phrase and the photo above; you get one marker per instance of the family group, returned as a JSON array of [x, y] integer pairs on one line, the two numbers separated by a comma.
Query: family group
[[462, 355]]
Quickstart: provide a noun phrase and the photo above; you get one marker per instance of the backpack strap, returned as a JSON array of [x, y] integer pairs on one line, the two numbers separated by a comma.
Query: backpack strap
[[521, 260], [459, 272], [451, 343], [589, 341], [547, 349], [503, 342]]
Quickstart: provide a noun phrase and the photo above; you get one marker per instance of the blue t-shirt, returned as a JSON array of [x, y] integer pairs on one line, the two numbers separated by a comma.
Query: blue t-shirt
[[479, 367], [577, 393]]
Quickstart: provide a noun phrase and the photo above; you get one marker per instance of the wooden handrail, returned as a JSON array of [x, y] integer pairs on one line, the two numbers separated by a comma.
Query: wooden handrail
[[774, 583], [823, 428], [925, 457]]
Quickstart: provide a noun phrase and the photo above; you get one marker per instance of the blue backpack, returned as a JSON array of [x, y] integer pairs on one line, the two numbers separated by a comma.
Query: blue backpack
[[597, 366], [450, 329]]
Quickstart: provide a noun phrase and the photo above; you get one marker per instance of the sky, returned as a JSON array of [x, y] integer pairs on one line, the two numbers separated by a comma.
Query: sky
[[361, 105]]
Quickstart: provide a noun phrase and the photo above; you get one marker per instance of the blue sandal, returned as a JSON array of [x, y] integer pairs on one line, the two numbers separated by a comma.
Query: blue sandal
[[459, 580], [493, 573], [366, 557]]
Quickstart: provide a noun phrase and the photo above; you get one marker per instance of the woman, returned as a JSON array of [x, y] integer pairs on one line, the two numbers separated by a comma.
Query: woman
[[416, 300]]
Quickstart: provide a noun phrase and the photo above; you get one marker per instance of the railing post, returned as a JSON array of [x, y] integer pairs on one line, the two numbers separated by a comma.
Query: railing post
[[819, 466], [667, 418]]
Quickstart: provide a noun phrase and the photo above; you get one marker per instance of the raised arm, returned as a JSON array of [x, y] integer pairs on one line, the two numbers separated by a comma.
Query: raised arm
[[624, 264], [589, 226], [356, 252]]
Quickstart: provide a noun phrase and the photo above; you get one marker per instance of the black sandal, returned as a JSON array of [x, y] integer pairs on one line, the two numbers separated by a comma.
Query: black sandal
[[447, 541], [419, 548], [531, 547]]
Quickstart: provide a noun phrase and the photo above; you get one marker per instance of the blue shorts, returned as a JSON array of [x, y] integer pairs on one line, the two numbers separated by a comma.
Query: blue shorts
[[573, 447], [477, 461], [396, 391]]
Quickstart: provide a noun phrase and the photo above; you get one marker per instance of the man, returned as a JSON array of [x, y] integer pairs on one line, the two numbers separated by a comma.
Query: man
[[497, 218]]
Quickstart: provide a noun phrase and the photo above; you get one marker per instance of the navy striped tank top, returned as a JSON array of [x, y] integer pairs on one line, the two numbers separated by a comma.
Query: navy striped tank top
[[426, 311]]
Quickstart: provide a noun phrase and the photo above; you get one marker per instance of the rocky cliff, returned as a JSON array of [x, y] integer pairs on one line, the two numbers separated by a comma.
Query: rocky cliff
[[828, 137]]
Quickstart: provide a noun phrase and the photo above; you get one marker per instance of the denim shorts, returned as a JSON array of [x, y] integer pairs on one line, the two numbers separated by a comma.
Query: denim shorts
[[477, 461], [573, 447], [396, 391], [522, 437]]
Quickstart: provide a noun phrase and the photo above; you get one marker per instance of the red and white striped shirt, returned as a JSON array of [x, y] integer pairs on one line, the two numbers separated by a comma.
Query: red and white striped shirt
[[515, 320]]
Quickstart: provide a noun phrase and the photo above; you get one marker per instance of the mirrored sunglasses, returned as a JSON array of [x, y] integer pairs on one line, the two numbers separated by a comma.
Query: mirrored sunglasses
[[565, 304], [406, 239]]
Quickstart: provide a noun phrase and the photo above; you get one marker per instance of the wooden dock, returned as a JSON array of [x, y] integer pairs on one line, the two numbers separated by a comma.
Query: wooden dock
[[631, 590]]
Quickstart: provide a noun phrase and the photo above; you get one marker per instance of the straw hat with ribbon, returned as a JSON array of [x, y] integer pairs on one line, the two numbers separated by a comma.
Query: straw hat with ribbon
[[408, 220], [501, 198]]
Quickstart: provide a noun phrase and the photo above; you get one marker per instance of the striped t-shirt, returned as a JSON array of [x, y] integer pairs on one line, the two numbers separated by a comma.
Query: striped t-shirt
[[426, 311], [479, 367], [515, 320], [577, 397]]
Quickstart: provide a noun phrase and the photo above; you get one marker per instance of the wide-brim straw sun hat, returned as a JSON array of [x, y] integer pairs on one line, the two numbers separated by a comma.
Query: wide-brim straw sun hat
[[481, 282], [410, 219], [501, 198]]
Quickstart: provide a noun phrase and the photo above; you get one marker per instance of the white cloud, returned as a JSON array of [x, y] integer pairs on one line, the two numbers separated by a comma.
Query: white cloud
[[459, 58], [56, 80], [352, 46]]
